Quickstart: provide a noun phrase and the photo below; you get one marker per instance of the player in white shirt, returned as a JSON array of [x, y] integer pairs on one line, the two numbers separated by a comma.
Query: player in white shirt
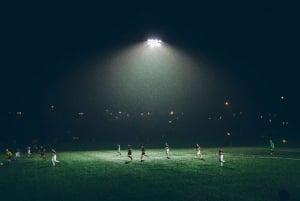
[[54, 157], [119, 149], [198, 151], [167, 150], [18, 154], [221, 157], [28, 151]]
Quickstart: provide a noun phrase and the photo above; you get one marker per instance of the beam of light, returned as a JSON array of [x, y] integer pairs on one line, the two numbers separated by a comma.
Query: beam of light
[[151, 75], [154, 42]]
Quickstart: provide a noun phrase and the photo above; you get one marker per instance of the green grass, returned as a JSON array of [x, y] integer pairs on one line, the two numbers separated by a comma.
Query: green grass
[[249, 174]]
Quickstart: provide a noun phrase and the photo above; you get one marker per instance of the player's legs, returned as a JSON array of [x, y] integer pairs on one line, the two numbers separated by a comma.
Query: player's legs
[[222, 160], [53, 161]]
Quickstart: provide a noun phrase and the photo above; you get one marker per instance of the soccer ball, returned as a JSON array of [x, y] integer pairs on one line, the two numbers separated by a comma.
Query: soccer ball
[[1, 163]]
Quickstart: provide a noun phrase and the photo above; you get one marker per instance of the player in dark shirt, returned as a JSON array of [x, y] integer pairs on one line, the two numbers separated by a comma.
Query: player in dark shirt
[[42, 152], [143, 153], [130, 152]]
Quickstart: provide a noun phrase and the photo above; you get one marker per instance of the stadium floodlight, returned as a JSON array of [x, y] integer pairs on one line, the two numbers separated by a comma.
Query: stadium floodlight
[[154, 42]]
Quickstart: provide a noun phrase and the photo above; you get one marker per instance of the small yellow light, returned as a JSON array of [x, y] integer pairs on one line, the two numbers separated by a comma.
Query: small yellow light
[[284, 141]]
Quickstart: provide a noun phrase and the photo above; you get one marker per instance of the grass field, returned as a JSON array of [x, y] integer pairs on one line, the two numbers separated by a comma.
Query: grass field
[[249, 174]]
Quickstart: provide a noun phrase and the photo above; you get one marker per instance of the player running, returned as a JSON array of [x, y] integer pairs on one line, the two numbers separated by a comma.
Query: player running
[[129, 152], [43, 152], [198, 151], [167, 150], [28, 151], [143, 153], [54, 157], [119, 149], [221, 157], [8, 155], [272, 146]]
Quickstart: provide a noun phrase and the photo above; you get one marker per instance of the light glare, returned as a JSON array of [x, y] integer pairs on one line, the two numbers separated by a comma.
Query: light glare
[[154, 42]]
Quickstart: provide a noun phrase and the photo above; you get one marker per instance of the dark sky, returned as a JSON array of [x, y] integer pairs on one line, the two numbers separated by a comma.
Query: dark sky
[[256, 43]]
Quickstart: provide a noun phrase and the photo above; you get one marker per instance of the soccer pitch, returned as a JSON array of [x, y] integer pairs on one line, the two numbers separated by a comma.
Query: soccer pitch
[[250, 173]]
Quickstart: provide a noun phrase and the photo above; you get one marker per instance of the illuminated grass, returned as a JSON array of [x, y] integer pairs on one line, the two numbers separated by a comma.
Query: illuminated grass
[[249, 174]]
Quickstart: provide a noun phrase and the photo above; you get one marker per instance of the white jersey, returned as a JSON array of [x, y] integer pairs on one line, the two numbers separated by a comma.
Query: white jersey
[[167, 150]]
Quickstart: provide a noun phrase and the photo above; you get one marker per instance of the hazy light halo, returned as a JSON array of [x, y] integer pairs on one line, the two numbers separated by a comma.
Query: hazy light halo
[[153, 42]]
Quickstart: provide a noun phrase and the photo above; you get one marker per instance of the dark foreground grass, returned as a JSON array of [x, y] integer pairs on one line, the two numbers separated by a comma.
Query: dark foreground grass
[[248, 174]]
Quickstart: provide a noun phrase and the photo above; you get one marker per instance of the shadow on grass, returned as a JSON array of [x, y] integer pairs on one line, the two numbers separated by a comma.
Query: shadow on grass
[[228, 167], [44, 166], [127, 162]]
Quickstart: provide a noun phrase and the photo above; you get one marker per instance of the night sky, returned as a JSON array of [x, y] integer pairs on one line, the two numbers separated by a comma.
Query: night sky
[[50, 53]]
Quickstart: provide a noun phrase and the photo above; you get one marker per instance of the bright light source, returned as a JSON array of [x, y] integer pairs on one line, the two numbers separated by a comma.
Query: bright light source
[[154, 42]]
